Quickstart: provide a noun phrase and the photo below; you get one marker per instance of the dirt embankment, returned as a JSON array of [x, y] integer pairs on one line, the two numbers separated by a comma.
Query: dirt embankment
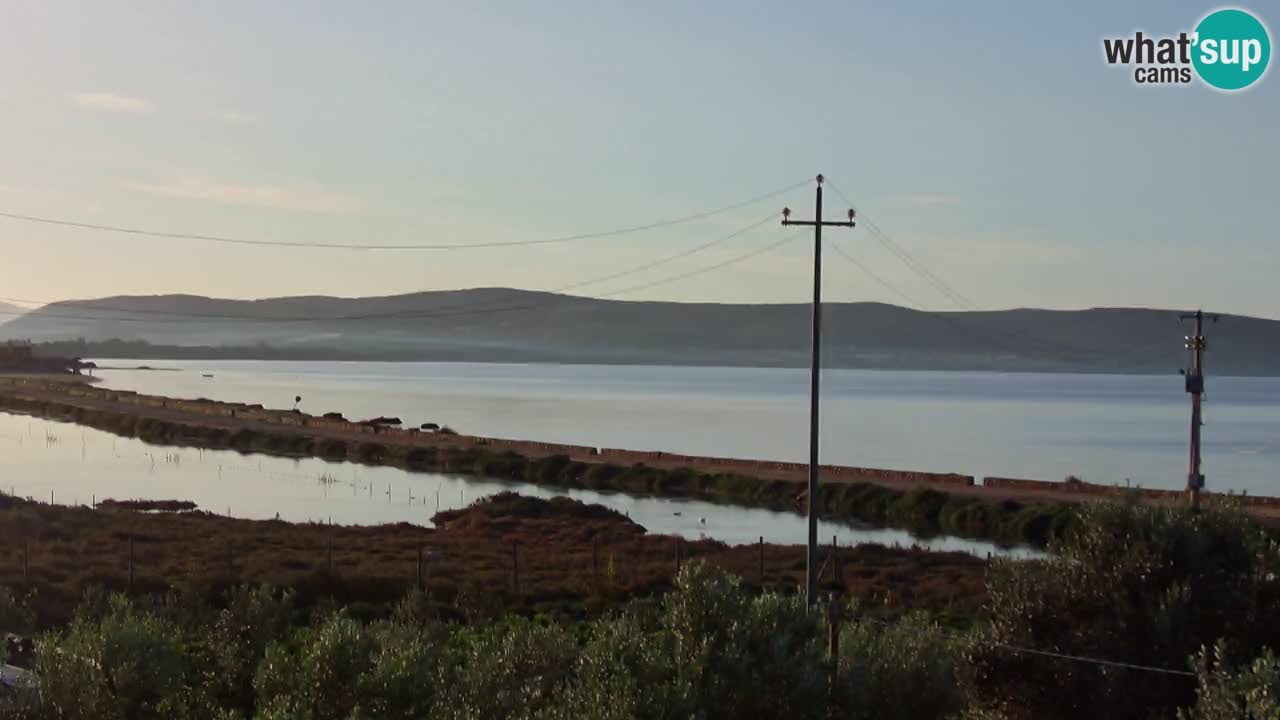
[[505, 552]]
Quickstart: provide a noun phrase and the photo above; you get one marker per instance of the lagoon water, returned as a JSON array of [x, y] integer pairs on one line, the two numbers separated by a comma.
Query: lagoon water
[[73, 465], [1103, 428]]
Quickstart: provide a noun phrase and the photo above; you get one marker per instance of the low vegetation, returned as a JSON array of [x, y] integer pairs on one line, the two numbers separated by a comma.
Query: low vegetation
[[1139, 613], [572, 560]]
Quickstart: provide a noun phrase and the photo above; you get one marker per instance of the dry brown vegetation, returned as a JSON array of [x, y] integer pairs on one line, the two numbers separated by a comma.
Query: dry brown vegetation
[[569, 557]]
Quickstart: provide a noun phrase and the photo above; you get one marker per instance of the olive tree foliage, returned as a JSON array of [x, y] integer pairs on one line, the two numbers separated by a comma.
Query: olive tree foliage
[[115, 662], [709, 650], [1147, 585], [625, 671], [237, 640], [343, 669], [898, 671], [739, 656], [1229, 692]]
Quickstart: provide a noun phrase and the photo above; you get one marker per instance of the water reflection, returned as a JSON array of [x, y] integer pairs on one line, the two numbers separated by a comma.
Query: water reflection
[[78, 465]]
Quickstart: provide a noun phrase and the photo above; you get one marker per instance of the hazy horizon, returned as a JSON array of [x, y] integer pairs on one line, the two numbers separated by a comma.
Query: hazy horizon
[[898, 304]]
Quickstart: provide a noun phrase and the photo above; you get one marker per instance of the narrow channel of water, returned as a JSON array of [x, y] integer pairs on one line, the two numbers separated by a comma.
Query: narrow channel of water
[[77, 464]]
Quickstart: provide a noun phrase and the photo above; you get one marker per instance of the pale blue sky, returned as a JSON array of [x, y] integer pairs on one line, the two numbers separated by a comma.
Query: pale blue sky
[[988, 138]]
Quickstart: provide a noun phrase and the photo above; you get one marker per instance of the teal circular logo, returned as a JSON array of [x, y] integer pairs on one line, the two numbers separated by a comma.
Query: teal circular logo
[[1231, 49]]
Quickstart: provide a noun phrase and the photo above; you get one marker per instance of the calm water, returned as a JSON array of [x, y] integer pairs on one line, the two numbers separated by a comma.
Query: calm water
[[78, 464], [1104, 428]]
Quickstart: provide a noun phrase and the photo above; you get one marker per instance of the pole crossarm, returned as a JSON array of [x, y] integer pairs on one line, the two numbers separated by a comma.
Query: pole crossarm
[[811, 223]]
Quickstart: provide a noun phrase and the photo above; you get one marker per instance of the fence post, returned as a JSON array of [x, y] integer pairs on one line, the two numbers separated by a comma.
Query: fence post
[[25, 560], [677, 556], [418, 572], [762, 562], [835, 560], [329, 537]]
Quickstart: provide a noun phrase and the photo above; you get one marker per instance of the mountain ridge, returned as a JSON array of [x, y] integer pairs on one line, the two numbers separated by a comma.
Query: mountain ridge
[[502, 324]]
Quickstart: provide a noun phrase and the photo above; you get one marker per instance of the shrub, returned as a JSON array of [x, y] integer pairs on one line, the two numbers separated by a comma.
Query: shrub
[[1224, 692], [625, 673], [125, 664], [742, 657], [316, 677], [897, 671], [511, 669], [253, 619], [1141, 584]]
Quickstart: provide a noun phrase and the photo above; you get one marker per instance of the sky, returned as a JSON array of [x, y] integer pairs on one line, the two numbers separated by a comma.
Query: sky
[[988, 139]]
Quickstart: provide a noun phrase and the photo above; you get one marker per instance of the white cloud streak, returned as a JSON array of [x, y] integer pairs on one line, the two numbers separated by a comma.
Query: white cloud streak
[[108, 102]]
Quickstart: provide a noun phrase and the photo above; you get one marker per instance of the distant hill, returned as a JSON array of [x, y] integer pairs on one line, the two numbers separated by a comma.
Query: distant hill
[[10, 312], [503, 325]]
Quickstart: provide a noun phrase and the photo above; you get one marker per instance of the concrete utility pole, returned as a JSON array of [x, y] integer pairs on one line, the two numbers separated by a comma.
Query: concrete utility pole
[[811, 555], [1195, 344]]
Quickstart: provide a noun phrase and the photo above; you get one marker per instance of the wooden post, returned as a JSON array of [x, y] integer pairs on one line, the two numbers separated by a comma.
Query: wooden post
[[131, 564], [26, 551], [515, 568], [835, 560], [761, 562], [329, 537], [677, 556]]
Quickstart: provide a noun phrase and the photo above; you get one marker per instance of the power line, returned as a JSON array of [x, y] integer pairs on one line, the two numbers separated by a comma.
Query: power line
[[473, 310], [411, 314], [706, 269], [911, 302], [1102, 662], [997, 338], [908, 259], [353, 246]]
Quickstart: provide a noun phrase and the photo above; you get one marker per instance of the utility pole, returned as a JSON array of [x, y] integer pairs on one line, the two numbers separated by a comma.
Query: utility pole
[[811, 553], [1195, 345]]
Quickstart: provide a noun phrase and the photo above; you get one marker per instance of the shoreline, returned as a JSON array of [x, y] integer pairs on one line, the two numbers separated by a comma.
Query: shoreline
[[1007, 511], [1106, 372]]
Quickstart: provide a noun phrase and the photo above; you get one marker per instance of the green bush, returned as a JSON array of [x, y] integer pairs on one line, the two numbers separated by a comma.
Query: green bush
[[743, 657], [316, 677], [511, 669], [1148, 585], [1227, 692], [599, 475], [625, 672], [898, 671], [123, 664]]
